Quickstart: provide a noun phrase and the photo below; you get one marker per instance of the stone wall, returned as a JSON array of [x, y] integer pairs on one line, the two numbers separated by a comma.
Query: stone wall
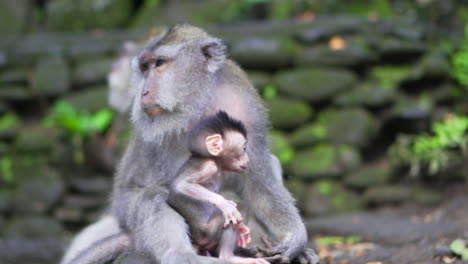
[[339, 90]]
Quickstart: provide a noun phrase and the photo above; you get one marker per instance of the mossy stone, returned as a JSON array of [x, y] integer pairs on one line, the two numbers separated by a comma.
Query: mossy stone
[[308, 135], [39, 193], [369, 176], [263, 52], [90, 100], [328, 197], [286, 113], [33, 227], [369, 94], [355, 52], [70, 15], [10, 124], [92, 71], [323, 160], [426, 196], [15, 16], [354, 126], [51, 77], [388, 194], [393, 46], [390, 76], [314, 84], [36, 138], [15, 92]]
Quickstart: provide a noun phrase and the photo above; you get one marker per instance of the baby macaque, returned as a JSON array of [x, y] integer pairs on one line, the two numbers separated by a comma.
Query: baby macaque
[[217, 144]]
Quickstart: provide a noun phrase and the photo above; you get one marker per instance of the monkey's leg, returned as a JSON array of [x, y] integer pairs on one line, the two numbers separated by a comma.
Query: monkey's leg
[[157, 229], [273, 206], [227, 246]]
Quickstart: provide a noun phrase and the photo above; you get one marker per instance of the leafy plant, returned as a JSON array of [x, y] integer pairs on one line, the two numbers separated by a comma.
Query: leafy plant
[[460, 247], [460, 62], [78, 124], [432, 150]]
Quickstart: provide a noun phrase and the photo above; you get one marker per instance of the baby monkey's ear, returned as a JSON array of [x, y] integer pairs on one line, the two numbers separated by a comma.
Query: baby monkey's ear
[[214, 51], [214, 144]]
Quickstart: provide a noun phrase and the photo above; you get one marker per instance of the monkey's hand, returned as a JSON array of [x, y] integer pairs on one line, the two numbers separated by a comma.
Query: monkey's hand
[[230, 212], [243, 235]]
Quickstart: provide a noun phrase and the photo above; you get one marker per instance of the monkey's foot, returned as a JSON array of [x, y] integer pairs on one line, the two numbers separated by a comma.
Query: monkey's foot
[[246, 252], [266, 253]]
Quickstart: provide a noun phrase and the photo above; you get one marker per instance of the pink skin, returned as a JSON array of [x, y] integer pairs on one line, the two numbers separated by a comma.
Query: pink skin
[[243, 235]]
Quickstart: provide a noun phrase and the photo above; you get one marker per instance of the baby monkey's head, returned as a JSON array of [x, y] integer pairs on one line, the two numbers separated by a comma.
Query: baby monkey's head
[[223, 138]]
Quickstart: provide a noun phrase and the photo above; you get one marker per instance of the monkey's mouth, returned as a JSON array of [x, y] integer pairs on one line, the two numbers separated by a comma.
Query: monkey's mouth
[[153, 109]]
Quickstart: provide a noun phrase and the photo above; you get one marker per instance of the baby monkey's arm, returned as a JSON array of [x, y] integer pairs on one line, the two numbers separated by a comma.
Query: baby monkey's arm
[[190, 184]]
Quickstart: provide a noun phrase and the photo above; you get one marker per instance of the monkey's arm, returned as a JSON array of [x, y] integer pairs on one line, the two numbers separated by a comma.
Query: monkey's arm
[[190, 184]]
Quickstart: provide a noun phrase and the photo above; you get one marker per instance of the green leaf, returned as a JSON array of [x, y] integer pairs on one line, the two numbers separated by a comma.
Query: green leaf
[[458, 246], [102, 119]]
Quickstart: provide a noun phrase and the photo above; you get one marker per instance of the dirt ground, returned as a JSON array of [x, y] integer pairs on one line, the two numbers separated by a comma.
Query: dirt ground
[[407, 233]]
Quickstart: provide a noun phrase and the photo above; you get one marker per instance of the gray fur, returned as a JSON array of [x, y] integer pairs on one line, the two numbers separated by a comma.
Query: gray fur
[[188, 91], [103, 250]]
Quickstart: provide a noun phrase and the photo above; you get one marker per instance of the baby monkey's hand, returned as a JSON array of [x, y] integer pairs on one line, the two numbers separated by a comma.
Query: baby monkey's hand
[[230, 212]]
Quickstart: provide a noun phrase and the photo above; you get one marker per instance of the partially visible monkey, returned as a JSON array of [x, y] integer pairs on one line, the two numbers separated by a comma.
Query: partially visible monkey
[[217, 144], [179, 78]]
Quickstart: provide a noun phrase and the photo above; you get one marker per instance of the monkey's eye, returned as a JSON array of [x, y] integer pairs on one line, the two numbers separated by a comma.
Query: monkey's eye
[[245, 149], [144, 67], [160, 62]]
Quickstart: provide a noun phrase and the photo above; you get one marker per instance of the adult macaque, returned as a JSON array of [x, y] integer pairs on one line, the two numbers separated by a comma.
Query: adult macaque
[[217, 144], [180, 78]]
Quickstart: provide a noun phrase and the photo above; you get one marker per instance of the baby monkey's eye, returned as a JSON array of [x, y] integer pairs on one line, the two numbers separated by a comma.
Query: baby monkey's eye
[[160, 62], [245, 148]]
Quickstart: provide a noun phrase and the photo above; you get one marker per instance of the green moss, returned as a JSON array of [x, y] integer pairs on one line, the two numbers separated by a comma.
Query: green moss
[[308, 135], [9, 121], [281, 147], [314, 84], [314, 162], [285, 112], [269, 92], [325, 187], [390, 76]]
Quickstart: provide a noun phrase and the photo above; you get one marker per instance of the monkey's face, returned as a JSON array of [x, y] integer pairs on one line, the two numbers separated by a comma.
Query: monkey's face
[[162, 79], [234, 156], [174, 76]]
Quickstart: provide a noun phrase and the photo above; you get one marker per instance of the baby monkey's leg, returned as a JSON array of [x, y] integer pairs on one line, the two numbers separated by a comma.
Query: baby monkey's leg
[[227, 245]]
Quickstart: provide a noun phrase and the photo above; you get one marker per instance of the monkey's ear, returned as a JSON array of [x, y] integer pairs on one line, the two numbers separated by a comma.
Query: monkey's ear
[[214, 51], [214, 144]]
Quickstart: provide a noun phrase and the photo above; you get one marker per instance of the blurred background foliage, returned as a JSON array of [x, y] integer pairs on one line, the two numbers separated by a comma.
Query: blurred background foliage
[[367, 101]]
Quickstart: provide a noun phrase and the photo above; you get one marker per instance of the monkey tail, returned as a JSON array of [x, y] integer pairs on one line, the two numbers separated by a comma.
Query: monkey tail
[[103, 250]]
